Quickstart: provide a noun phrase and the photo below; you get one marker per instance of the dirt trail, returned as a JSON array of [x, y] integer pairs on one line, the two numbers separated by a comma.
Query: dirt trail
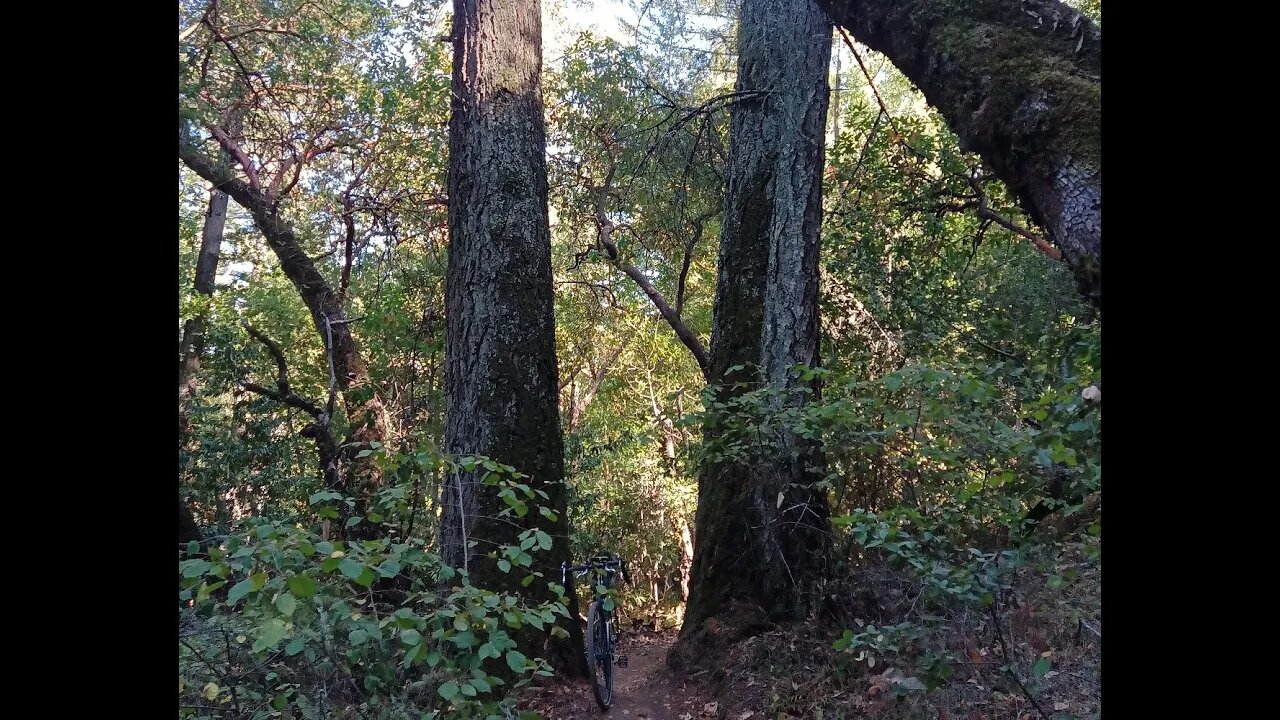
[[644, 690]]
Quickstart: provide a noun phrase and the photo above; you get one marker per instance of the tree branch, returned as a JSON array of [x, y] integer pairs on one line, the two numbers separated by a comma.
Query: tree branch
[[283, 393], [605, 228]]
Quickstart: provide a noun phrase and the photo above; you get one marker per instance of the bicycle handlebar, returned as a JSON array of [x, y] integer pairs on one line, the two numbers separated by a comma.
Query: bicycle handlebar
[[603, 562]]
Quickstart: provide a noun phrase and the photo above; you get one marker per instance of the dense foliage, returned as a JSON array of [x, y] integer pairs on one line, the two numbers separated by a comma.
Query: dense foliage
[[961, 371]]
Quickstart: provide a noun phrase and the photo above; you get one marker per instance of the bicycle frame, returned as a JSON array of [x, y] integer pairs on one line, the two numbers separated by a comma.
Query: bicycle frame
[[604, 569]]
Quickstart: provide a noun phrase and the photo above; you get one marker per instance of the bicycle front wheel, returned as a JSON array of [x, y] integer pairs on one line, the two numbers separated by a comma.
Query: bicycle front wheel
[[600, 655]]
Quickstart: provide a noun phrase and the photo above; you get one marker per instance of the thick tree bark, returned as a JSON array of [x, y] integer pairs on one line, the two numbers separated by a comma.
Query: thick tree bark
[[365, 411], [762, 532], [1020, 83], [501, 375]]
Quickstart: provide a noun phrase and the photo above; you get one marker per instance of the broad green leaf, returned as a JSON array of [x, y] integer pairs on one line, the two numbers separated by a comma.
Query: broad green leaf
[[239, 590], [271, 633], [286, 604], [516, 660], [302, 586], [351, 568]]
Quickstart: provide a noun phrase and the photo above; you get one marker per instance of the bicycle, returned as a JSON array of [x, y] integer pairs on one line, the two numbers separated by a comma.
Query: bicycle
[[602, 636]]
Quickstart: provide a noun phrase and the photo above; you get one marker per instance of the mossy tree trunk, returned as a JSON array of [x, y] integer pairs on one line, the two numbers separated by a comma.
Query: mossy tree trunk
[[762, 534], [1020, 83], [501, 376]]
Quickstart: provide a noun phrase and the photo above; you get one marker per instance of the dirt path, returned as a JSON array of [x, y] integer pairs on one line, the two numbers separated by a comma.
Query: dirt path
[[644, 690]]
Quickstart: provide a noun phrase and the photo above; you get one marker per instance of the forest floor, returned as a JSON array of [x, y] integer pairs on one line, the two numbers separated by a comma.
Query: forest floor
[[644, 690], [1051, 638]]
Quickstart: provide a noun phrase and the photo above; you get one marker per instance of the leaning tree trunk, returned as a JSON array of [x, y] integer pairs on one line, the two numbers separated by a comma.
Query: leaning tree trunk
[[501, 375], [193, 331], [762, 533], [1020, 83], [365, 411]]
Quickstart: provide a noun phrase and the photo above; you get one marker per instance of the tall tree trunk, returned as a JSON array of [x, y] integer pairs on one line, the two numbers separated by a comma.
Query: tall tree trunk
[[193, 337], [501, 378], [365, 411], [194, 329], [1020, 83], [762, 532]]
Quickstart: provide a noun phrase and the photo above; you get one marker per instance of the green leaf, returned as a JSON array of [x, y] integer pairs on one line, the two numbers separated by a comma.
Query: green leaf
[[411, 637], [351, 568], [1041, 667], [239, 590], [295, 646], [353, 521], [544, 540], [504, 565], [359, 636], [271, 634], [449, 690], [322, 496], [412, 654], [366, 577], [389, 568], [516, 660], [302, 586], [194, 568], [286, 604]]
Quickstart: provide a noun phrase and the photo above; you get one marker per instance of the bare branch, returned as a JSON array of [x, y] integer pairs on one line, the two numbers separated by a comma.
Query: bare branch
[[985, 212], [348, 219], [283, 393], [238, 153]]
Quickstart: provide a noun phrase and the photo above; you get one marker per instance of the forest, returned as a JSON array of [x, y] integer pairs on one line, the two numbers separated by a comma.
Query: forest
[[660, 359]]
